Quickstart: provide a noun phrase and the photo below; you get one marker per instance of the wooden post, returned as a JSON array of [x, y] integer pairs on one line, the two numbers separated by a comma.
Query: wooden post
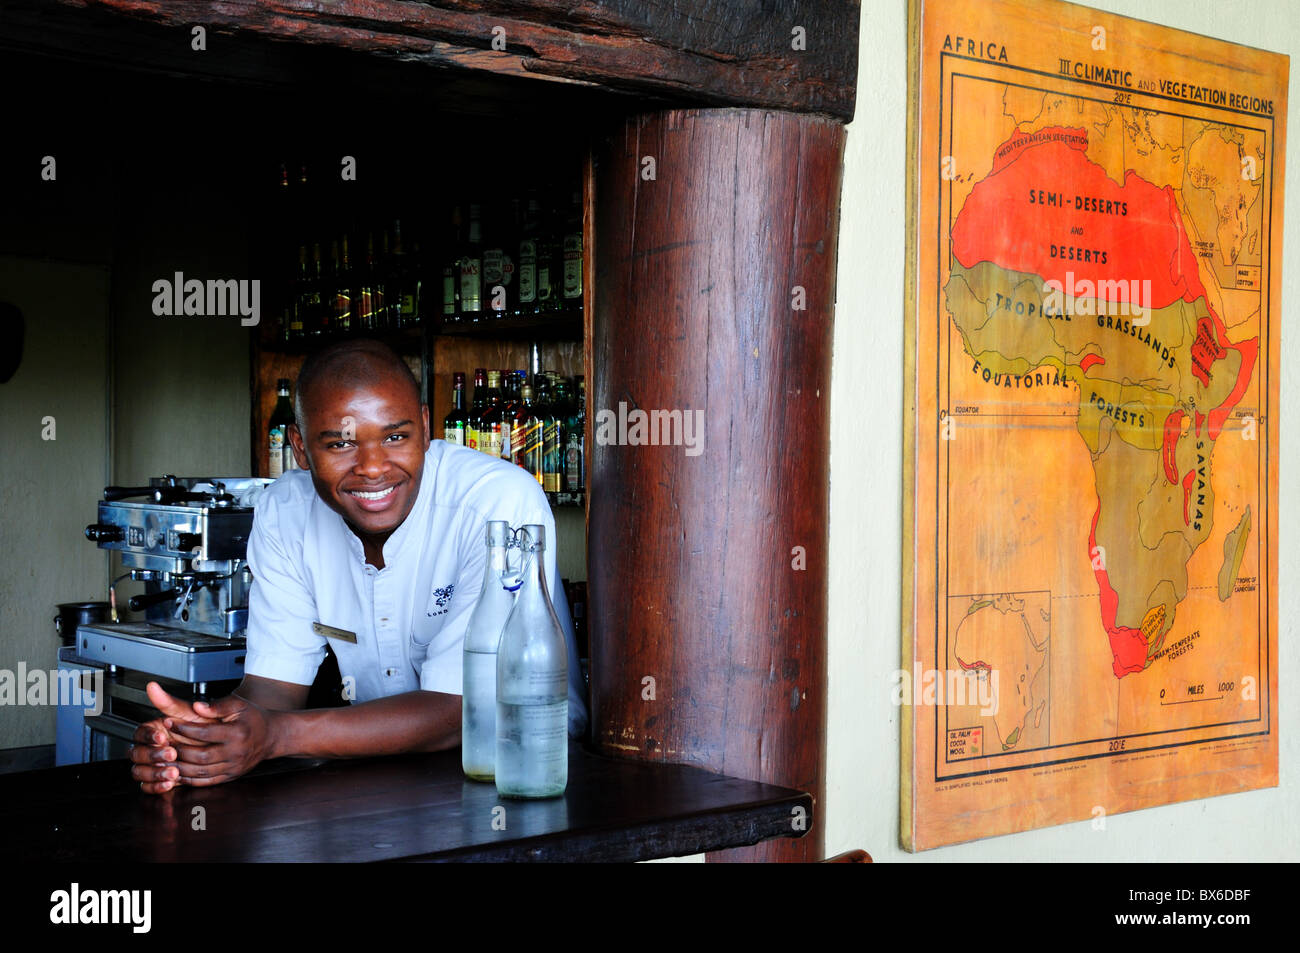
[[714, 256]]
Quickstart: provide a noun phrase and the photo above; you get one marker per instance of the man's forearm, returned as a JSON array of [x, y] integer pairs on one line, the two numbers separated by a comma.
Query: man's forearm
[[414, 721]]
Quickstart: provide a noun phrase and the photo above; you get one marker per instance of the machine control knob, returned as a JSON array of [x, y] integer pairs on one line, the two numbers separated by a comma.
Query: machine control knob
[[104, 533]]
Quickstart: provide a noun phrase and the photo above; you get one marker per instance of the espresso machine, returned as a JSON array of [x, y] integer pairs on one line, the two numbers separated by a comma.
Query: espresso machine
[[186, 539]]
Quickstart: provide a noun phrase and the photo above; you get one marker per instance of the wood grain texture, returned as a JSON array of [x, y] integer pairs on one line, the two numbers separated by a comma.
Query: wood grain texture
[[706, 52], [692, 571], [407, 807]]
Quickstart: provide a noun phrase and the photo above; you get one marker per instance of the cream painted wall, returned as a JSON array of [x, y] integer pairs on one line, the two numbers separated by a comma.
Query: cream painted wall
[[866, 488]]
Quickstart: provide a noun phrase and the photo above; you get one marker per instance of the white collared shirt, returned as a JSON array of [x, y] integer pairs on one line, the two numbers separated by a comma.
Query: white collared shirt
[[410, 617]]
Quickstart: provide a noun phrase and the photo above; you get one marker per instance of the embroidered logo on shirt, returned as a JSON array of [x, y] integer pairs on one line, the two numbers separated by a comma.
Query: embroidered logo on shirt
[[441, 597]]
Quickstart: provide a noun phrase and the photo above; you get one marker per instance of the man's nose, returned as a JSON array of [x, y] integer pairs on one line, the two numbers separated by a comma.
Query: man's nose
[[371, 459]]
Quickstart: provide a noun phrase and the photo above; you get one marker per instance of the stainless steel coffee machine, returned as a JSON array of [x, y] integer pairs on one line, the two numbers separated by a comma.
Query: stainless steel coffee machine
[[186, 539]]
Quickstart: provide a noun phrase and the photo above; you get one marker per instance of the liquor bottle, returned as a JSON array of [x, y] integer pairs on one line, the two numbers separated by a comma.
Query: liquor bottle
[[550, 275], [552, 458], [343, 293], [454, 424], [471, 269], [337, 295], [571, 251], [372, 291], [575, 470], [513, 221], [384, 300], [526, 436], [451, 270], [532, 750], [526, 299], [476, 408], [281, 452], [405, 285], [478, 723], [509, 404], [317, 318], [299, 306], [491, 422], [494, 268]]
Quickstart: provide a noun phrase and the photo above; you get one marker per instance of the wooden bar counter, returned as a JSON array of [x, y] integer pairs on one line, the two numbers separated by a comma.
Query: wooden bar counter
[[407, 807]]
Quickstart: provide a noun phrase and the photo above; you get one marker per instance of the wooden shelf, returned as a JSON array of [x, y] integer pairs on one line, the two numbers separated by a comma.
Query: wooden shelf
[[555, 326]]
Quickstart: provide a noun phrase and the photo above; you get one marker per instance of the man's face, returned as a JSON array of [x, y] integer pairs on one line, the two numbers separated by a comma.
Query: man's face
[[365, 446]]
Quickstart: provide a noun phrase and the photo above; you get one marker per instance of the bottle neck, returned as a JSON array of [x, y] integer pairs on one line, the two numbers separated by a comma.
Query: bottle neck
[[496, 565]]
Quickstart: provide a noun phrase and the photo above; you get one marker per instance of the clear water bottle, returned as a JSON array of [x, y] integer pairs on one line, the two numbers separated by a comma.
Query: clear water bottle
[[532, 685], [478, 724]]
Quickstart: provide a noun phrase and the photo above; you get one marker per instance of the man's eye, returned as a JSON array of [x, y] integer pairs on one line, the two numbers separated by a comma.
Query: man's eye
[[338, 445], [397, 436]]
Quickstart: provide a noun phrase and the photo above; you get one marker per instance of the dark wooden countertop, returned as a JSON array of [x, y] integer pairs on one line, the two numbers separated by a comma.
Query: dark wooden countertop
[[408, 807]]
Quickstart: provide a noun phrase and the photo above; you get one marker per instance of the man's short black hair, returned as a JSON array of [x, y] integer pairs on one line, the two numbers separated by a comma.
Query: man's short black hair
[[359, 362]]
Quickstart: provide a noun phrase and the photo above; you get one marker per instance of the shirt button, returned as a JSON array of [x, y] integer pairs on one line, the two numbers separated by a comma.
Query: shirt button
[[390, 672]]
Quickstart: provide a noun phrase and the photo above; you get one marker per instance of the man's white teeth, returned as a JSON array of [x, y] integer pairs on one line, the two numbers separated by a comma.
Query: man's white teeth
[[373, 496]]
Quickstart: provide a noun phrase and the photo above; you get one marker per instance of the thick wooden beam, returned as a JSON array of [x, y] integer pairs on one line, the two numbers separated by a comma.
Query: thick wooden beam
[[798, 56], [714, 291]]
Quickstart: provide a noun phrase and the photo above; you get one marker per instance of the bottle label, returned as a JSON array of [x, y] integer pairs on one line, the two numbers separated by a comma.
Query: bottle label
[[275, 464], [471, 438], [573, 465], [543, 283], [493, 266], [573, 265], [490, 442], [454, 435], [471, 295], [449, 291], [527, 271], [539, 730]]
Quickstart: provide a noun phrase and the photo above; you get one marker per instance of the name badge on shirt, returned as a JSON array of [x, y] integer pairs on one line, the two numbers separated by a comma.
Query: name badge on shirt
[[332, 633]]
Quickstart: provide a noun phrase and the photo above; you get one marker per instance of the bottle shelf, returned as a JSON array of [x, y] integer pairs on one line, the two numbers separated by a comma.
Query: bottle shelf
[[402, 340], [554, 326]]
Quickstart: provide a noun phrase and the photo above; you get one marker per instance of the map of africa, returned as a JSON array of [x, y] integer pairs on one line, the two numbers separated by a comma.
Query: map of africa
[[1093, 464]]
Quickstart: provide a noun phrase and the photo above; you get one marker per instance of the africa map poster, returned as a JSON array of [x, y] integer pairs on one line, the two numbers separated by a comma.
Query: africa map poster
[[1091, 447]]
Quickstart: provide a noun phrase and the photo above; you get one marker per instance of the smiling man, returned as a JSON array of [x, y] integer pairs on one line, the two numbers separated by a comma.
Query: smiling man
[[375, 547]]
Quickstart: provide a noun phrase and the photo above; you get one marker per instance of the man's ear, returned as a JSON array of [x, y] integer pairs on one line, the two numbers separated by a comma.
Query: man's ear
[[424, 418], [299, 448]]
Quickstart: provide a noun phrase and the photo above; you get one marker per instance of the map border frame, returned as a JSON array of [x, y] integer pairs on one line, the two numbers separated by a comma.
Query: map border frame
[[1224, 71]]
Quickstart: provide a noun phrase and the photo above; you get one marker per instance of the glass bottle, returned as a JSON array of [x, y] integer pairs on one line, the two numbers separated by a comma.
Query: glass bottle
[[479, 689], [281, 452], [575, 471], [476, 408], [453, 425], [297, 317], [492, 420], [571, 253], [404, 306], [471, 270], [526, 437], [451, 271], [532, 750], [526, 302], [493, 287], [551, 413]]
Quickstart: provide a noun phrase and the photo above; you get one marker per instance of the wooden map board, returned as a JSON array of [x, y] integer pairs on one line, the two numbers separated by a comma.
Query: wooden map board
[[1091, 451]]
